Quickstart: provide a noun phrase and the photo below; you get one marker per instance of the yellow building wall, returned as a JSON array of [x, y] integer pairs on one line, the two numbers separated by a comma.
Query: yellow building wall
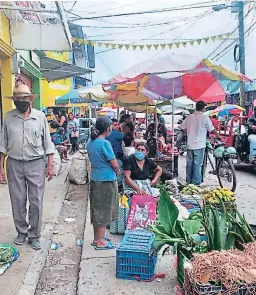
[[52, 90], [6, 52]]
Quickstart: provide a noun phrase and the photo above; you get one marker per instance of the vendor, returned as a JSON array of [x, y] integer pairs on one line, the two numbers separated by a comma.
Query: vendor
[[141, 173]]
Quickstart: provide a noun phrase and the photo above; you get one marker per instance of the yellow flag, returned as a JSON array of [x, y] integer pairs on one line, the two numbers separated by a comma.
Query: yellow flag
[[163, 46], [149, 46], [134, 47], [199, 41], [156, 46], [73, 39], [92, 43], [170, 45], [107, 45], [177, 44], [141, 47], [120, 46], [184, 44], [192, 42], [113, 46], [100, 44], [228, 35], [220, 36], [127, 46], [206, 40], [213, 38], [86, 42], [80, 41]]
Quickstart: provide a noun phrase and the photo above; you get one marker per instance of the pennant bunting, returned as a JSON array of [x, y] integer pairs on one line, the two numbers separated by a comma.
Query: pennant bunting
[[150, 46]]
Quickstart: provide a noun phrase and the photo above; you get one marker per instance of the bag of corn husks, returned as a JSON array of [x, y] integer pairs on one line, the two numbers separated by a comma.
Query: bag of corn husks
[[78, 171]]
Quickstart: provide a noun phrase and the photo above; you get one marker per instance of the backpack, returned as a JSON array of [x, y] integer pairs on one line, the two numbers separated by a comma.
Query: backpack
[[56, 138]]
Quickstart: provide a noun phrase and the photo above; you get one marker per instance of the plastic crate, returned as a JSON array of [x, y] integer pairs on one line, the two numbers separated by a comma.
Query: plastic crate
[[182, 257], [133, 259]]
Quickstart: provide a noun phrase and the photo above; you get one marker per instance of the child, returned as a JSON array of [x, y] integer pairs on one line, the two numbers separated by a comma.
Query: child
[[128, 148]]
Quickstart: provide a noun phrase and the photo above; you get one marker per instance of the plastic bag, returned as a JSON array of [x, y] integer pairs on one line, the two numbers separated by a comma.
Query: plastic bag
[[218, 153], [56, 163], [78, 171]]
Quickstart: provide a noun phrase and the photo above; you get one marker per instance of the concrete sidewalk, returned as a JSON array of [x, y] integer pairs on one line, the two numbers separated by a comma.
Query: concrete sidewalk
[[98, 271], [22, 277]]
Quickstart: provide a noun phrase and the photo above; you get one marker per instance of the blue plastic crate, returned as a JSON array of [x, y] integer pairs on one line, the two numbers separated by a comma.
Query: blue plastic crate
[[133, 260]]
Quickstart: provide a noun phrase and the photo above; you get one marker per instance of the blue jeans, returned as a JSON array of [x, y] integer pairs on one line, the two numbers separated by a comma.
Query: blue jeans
[[252, 141], [195, 160]]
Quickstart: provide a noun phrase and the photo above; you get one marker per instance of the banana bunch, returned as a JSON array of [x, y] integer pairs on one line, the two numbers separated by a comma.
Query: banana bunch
[[191, 189], [215, 195]]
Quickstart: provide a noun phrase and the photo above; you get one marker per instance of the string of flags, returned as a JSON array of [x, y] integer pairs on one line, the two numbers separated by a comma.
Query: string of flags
[[152, 46]]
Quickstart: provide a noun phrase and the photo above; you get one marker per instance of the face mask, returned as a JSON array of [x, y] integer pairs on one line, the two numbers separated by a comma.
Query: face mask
[[22, 106], [139, 156]]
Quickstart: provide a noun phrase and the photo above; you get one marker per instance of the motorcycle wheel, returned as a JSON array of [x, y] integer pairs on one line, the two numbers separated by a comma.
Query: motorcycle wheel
[[226, 174]]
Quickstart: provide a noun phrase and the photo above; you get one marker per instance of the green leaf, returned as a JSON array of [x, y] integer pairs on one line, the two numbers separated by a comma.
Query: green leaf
[[156, 247], [167, 210], [192, 226], [223, 226]]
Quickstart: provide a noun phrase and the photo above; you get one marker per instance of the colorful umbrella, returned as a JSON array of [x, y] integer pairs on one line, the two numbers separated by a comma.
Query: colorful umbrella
[[177, 76], [227, 110]]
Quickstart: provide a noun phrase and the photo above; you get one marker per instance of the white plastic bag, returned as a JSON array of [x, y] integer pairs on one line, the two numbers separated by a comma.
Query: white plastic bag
[[56, 163], [78, 171]]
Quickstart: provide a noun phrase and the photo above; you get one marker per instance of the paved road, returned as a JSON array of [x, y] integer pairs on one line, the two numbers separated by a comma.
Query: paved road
[[245, 192]]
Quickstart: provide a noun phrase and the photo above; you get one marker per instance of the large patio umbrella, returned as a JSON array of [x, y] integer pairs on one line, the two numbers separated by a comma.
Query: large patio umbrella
[[227, 110], [176, 76], [73, 97]]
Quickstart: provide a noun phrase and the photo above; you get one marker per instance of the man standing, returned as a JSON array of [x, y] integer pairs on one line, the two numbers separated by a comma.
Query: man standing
[[115, 138], [26, 140], [196, 125]]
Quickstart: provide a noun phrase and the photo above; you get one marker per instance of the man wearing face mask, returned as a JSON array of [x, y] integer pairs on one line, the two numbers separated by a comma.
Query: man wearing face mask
[[26, 140]]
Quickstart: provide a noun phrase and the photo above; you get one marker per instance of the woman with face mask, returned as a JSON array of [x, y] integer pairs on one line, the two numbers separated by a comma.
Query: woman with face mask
[[141, 173], [103, 185]]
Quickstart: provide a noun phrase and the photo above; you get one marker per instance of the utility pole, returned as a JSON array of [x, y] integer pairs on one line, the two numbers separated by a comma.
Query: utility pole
[[240, 5]]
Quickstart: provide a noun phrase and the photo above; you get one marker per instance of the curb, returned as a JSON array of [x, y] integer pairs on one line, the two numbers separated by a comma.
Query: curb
[[37, 263]]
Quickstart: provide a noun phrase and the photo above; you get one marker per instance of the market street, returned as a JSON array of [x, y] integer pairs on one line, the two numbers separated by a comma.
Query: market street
[[91, 261]]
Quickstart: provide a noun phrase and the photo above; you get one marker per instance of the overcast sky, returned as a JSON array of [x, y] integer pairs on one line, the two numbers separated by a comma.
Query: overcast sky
[[165, 27]]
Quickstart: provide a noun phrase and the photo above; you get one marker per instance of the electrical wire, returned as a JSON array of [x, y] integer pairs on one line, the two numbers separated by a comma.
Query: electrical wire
[[251, 24], [226, 40], [232, 44], [146, 12], [148, 38]]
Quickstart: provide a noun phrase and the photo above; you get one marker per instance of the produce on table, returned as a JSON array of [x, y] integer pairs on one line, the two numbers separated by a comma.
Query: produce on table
[[224, 194], [230, 268], [192, 189], [169, 229]]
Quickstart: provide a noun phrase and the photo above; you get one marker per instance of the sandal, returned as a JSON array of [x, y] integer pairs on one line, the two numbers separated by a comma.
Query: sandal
[[105, 238], [108, 246]]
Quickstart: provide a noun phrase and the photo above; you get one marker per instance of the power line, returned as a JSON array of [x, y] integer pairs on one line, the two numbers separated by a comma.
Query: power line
[[146, 12], [226, 40], [148, 38], [232, 44]]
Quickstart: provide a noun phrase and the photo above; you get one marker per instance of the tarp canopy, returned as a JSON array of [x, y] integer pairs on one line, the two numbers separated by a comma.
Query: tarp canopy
[[56, 70]]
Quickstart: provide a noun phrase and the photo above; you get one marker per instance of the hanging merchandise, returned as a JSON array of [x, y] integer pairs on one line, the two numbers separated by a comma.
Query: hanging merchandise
[[152, 46]]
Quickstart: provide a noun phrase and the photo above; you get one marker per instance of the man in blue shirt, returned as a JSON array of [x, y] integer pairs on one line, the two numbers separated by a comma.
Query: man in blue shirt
[[115, 138]]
